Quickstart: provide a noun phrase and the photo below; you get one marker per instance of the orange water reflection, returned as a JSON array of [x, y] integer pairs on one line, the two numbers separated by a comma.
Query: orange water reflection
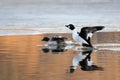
[[22, 59]]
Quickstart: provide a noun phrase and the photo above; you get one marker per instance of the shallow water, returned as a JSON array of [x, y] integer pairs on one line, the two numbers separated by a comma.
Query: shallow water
[[22, 58]]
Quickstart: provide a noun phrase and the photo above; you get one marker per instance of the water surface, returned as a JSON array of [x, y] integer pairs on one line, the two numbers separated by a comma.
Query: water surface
[[22, 58]]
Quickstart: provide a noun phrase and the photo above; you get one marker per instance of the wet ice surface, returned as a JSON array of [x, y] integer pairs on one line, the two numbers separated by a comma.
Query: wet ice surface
[[22, 58]]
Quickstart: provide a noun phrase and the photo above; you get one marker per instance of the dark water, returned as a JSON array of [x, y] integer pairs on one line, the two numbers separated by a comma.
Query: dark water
[[22, 58]]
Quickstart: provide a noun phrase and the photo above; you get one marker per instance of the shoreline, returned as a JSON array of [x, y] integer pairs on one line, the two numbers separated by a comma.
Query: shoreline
[[46, 30], [38, 33]]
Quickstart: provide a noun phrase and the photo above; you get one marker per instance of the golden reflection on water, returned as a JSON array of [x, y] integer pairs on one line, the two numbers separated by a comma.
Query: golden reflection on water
[[22, 59]]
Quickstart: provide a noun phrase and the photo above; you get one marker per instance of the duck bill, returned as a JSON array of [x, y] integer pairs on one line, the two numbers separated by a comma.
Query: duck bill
[[66, 25]]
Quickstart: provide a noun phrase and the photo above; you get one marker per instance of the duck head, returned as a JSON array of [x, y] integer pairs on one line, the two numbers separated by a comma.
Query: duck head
[[70, 26], [46, 39]]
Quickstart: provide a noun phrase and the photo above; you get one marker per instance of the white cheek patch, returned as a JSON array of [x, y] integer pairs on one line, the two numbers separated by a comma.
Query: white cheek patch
[[69, 27], [89, 35]]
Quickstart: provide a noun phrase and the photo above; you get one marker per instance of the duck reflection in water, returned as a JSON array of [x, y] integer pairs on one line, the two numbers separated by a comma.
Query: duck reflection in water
[[55, 44], [54, 49], [83, 59]]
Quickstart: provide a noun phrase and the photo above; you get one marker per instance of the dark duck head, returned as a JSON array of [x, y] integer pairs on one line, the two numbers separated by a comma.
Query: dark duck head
[[70, 26], [46, 39]]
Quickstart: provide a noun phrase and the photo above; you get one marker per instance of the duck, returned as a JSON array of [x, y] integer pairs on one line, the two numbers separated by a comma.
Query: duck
[[83, 37], [55, 44], [54, 40]]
